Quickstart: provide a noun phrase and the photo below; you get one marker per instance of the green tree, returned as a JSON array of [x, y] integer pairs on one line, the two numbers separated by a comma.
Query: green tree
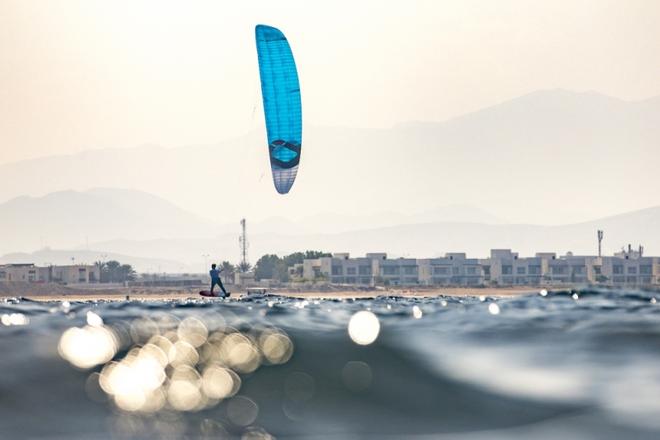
[[281, 271], [272, 266], [115, 272], [126, 273], [266, 267]]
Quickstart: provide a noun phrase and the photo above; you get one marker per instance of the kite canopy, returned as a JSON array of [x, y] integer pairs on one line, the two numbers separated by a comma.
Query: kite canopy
[[280, 90]]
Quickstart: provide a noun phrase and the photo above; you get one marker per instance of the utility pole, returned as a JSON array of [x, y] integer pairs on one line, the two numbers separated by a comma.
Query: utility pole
[[243, 242], [600, 240]]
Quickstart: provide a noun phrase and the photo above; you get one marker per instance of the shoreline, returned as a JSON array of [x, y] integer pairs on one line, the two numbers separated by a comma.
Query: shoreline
[[102, 293]]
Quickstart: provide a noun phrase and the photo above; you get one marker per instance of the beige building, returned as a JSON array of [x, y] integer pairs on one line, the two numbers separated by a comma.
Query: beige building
[[23, 273], [73, 274], [374, 268], [454, 269], [502, 268], [621, 271]]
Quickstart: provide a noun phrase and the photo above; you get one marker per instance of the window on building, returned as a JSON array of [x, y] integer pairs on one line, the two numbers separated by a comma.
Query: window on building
[[520, 270], [365, 270], [391, 270], [578, 270], [559, 270], [617, 269], [632, 270], [471, 270], [443, 270], [409, 270], [645, 270], [336, 270], [534, 270], [507, 270], [351, 271], [456, 270]]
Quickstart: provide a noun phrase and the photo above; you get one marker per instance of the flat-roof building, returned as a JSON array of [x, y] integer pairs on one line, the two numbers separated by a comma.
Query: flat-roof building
[[502, 268], [28, 272]]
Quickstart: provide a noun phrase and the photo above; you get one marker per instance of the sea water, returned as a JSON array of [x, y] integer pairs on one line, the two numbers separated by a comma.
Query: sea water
[[572, 364]]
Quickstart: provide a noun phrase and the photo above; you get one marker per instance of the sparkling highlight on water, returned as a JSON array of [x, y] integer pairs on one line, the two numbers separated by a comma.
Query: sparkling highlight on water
[[364, 327]]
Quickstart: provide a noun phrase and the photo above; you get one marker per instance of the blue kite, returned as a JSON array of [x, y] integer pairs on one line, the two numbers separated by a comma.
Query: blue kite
[[280, 91]]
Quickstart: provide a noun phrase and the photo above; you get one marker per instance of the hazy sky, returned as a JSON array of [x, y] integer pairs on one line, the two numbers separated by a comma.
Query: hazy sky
[[76, 75]]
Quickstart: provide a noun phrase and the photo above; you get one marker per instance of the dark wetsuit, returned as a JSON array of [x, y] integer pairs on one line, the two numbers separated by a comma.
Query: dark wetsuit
[[215, 280]]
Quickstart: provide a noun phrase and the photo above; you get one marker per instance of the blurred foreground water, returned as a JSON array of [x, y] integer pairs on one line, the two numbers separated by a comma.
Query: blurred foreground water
[[578, 364]]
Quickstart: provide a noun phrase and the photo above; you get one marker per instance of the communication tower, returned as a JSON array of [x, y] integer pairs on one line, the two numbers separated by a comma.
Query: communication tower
[[600, 240], [244, 265]]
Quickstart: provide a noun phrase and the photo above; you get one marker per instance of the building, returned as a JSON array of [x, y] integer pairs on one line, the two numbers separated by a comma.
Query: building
[[396, 272], [72, 274], [624, 271], [502, 268], [23, 273], [454, 269], [341, 269], [374, 268]]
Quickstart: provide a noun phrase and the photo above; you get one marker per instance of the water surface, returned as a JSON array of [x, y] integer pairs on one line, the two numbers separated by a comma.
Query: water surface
[[578, 364]]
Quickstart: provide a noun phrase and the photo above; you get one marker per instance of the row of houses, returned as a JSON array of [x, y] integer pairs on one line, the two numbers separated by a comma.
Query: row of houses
[[502, 268], [72, 274]]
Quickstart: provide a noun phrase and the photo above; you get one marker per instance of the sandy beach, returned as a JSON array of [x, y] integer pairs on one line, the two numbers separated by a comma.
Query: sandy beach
[[55, 292]]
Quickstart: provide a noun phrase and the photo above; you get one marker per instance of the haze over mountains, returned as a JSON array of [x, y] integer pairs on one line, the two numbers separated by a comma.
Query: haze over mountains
[[548, 158], [155, 235], [70, 218]]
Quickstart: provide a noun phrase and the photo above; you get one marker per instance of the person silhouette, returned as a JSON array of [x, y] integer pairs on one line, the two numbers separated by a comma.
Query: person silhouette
[[216, 281]]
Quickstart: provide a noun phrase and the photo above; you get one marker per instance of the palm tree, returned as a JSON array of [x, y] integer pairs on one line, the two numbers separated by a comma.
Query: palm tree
[[228, 271], [102, 271]]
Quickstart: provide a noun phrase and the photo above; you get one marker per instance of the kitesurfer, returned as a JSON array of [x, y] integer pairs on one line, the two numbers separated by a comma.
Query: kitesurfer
[[215, 280]]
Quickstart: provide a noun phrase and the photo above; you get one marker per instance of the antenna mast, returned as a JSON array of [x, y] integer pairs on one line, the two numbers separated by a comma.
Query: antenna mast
[[243, 242], [600, 240]]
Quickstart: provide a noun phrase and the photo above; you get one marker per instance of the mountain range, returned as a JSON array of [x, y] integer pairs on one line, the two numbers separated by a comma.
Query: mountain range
[[550, 157], [529, 174], [72, 218], [423, 239]]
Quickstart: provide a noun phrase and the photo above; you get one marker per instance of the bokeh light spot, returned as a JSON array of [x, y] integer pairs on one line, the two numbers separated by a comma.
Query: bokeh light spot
[[356, 375], [364, 327], [88, 346], [242, 411], [493, 309]]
